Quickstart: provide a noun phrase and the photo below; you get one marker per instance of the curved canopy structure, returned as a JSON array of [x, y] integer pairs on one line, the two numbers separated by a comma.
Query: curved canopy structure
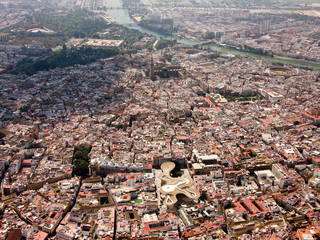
[[171, 186]]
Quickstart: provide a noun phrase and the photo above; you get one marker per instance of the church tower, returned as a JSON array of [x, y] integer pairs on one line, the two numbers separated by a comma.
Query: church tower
[[152, 77]]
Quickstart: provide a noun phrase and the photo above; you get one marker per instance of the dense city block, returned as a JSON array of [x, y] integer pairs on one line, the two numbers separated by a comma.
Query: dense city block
[[122, 134]]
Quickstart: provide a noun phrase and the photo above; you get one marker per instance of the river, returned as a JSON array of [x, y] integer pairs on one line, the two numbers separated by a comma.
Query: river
[[123, 18]]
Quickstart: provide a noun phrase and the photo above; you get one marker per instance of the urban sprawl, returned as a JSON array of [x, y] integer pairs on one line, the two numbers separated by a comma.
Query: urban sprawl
[[174, 142]]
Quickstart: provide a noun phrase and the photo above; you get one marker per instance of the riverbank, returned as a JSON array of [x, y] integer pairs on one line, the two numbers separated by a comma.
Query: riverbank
[[274, 59], [123, 18]]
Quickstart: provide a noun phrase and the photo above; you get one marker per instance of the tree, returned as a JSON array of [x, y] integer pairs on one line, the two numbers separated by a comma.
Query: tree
[[81, 162], [81, 167], [81, 155]]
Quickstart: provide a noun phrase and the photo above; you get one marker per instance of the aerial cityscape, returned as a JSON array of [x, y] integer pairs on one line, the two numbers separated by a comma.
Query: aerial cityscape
[[159, 119]]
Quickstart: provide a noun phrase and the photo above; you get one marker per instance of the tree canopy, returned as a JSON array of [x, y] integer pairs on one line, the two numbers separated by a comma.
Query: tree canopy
[[81, 162], [63, 58]]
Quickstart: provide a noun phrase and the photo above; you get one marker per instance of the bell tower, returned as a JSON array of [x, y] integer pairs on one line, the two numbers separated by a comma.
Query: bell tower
[[151, 72]]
